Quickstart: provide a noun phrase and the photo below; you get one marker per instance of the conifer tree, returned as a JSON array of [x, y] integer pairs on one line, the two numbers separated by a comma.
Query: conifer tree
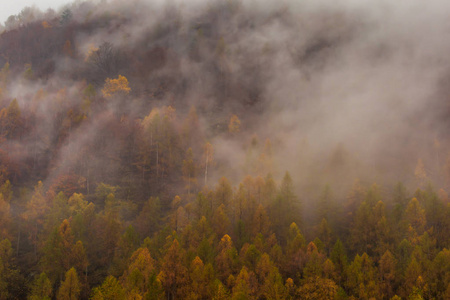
[[70, 287]]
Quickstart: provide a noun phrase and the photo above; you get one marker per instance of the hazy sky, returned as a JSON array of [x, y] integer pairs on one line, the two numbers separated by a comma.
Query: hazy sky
[[13, 7]]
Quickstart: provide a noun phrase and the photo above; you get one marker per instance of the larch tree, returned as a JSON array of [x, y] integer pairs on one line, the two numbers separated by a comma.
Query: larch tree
[[413, 275], [60, 253], [415, 217], [339, 258], [245, 286], [387, 272], [128, 243], [403, 255], [6, 269], [11, 120], [173, 274], [439, 277], [221, 292], [261, 222], [269, 190], [317, 288], [382, 229], [325, 204], [58, 210], [81, 263], [314, 262], [191, 131], [208, 157], [4, 294], [6, 191], [223, 193], [148, 220], [5, 217], [400, 198], [269, 279], [141, 274], [174, 217], [170, 154], [70, 287], [325, 234], [355, 197], [220, 221], [34, 213], [240, 204], [362, 279], [329, 270], [150, 127], [295, 254], [179, 217], [226, 259], [189, 171], [250, 255], [111, 289], [41, 288], [66, 245], [201, 280], [285, 209], [363, 230]]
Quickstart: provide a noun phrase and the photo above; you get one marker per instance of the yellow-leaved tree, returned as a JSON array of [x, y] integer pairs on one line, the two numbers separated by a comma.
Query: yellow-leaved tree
[[70, 287], [116, 87]]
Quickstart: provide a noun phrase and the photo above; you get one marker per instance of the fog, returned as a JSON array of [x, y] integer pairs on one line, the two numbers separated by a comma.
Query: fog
[[343, 89]]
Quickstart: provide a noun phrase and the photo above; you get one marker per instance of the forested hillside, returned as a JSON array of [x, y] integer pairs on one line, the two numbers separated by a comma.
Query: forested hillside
[[225, 150]]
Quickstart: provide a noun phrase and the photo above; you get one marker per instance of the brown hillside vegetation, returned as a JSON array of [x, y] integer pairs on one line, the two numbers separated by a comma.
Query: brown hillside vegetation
[[228, 149]]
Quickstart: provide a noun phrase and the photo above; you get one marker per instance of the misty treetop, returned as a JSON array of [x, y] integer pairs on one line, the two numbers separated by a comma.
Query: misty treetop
[[225, 150]]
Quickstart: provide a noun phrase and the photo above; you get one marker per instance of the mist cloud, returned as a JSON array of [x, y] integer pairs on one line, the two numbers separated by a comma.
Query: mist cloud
[[363, 79]]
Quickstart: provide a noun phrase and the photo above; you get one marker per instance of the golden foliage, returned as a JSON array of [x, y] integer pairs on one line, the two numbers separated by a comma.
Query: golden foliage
[[70, 287], [90, 52], [234, 126], [46, 25], [317, 288], [117, 86]]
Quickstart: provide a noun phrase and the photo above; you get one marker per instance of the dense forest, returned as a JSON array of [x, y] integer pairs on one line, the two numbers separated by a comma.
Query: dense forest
[[225, 150]]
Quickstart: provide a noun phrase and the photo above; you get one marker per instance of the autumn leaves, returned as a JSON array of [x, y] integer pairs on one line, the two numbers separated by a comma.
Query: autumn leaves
[[116, 87]]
